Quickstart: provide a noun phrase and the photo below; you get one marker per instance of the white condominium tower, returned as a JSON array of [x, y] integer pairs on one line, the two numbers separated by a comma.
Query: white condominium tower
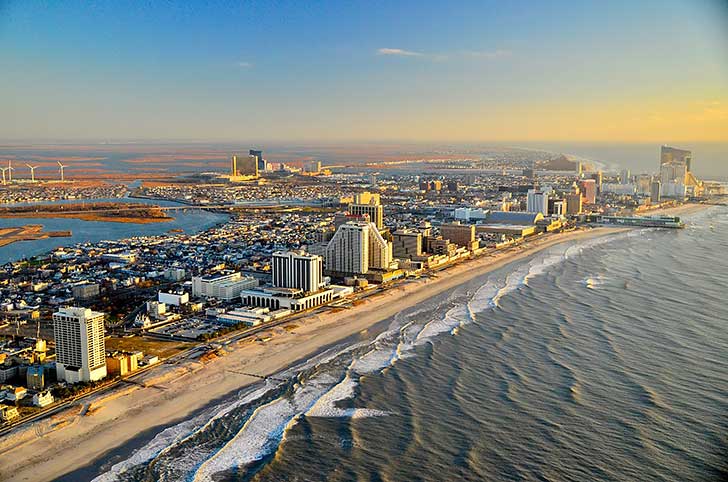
[[356, 247], [298, 269], [80, 349]]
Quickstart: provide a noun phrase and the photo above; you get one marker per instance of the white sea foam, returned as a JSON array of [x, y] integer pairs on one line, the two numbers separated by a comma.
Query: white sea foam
[[177, 434], [262, 433], [344, 390], [164, 439], [379, 358], [455, 316], [514, 280], [540, 266], [482, 299]]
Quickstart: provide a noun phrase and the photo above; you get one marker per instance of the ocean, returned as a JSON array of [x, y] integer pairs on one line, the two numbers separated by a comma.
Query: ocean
[[603, 359]]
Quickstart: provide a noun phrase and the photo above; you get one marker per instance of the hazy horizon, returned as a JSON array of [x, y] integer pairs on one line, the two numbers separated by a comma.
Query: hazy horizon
[[710, 158]]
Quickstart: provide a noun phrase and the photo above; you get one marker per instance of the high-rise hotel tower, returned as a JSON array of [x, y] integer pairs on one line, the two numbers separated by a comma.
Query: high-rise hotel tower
[[80, 349], [298, 269]]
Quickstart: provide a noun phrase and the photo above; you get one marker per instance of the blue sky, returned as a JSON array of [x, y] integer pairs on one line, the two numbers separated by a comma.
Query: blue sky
[[509, 70]]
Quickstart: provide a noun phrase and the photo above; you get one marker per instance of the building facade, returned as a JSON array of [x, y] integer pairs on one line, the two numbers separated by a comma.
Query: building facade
[[244, 166], [80, 348], [348, 250], [588, 188], [572, 202], [537, 202], [655, 190], [460, 234], [369, 204], [224, 286], [672, 155], [285, 298], [406, 244], [297, 269], [261, 163]]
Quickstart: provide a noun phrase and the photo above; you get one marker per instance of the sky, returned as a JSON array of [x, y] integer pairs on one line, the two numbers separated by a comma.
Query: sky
[[617, 71]]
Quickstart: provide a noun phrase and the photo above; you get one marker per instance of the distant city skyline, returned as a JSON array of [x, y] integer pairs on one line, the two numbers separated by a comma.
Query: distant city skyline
[[426, 72]]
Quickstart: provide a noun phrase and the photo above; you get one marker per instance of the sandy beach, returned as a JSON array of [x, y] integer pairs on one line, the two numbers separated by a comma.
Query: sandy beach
[[68, 441]]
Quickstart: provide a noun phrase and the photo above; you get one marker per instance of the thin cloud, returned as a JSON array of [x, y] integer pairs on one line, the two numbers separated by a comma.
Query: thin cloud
[[245, 65], [442, 57], [399, 52]]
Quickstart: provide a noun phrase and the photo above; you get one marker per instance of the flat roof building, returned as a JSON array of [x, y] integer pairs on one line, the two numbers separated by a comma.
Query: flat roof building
[[460, 234], [298, 269], [224, 286], [80, 348]]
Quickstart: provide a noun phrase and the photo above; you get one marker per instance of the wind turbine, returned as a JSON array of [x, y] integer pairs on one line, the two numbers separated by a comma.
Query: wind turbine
[[10, 171], [32, 172], [3, 169], [61, 166]]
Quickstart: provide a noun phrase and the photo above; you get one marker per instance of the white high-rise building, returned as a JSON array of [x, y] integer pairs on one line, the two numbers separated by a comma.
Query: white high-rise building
[[348, 250], [357, 247], [80, 348], [537, 202], [298, 269]]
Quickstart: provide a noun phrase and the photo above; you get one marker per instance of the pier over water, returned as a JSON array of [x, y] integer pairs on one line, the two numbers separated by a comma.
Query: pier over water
[[673, 222]]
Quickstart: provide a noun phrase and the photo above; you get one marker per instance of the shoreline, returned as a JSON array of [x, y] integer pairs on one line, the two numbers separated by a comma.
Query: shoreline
[[28, 232], [101, 211], [91, 217], [174, 393]]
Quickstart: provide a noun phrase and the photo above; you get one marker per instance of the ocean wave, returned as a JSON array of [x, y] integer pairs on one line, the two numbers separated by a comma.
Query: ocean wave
[[380, 357], [482, 299], [539, 266], [263, 431], [344, 390], [178, 434], [163, 440], [514, 280], [455, 317]]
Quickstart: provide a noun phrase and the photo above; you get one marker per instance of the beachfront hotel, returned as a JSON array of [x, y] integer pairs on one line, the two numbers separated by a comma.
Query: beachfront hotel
[[298, 269], [80, 348], [298, 284], [356, 248]]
